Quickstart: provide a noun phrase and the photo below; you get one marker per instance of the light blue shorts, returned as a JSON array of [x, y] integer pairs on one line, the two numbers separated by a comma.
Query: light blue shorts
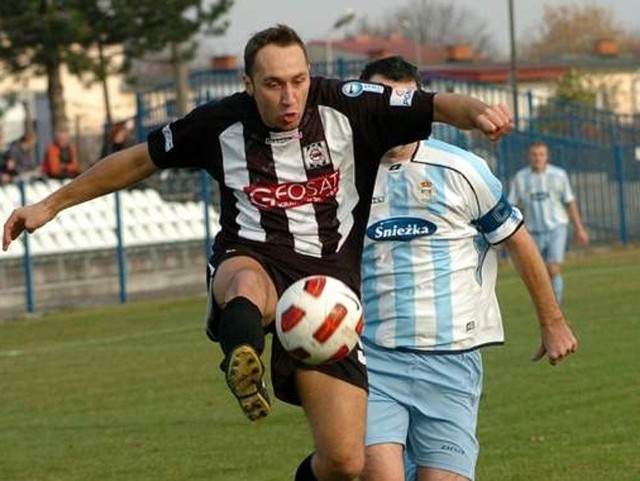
[[552, 243], [428, 403]]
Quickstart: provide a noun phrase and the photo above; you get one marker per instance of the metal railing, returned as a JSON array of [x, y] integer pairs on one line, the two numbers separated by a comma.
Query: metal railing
[[109, 247], [596, 147]]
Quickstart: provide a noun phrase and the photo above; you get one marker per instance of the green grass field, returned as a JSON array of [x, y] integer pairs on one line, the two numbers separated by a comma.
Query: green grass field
[[134, 393]]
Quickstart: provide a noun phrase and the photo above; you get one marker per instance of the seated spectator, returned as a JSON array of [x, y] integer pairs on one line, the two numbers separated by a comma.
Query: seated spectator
[[8, 171], [118, 138], [22, 150], [61, 158]]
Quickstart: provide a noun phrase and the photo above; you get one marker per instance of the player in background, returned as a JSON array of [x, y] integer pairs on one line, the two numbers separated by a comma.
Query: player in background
[[428, 284], [544, 194], [296, 159]]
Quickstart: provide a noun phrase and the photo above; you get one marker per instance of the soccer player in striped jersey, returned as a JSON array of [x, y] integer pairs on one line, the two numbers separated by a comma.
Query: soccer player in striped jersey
[[544, 194], [296, 159], [428, 285]]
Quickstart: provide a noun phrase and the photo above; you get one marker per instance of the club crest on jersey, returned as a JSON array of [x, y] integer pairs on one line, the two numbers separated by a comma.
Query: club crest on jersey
[[315, 155], [401, 97], [355, 89], [426, 191], [400, 229]]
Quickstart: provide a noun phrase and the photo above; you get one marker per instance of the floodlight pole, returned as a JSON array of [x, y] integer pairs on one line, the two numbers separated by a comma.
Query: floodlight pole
[[513, 72], [342, 21], [411, 26]]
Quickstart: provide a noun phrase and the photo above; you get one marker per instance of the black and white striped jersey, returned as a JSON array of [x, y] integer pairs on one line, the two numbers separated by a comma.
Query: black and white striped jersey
[[301, 197]]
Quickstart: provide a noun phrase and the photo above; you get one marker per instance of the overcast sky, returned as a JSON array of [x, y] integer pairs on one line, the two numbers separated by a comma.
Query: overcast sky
[[313, 18]]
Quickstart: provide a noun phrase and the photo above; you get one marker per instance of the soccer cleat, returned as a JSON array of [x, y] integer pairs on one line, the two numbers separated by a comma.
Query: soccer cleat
[[244, 377]]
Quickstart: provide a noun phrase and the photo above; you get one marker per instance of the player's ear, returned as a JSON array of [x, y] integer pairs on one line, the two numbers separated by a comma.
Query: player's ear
[[248, 84]]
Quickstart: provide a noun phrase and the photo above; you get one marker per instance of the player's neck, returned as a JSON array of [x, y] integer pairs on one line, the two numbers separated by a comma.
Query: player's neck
[[400, 154]]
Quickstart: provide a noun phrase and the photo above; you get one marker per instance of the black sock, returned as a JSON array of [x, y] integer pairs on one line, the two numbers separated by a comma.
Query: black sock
[[304, 472], [241, 323]]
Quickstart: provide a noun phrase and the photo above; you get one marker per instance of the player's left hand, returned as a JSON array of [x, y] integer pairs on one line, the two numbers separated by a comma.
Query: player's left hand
[[558, 342], [494, 121]]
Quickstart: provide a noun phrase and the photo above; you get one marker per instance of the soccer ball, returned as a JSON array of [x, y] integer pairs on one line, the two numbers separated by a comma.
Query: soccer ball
[[319, 319]]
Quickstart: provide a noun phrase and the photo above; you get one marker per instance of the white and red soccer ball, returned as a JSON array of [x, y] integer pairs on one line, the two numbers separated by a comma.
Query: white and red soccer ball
[[319, 319]]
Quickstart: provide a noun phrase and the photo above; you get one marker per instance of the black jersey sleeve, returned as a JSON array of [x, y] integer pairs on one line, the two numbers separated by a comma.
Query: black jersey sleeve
[[181, 143], [384, 116]]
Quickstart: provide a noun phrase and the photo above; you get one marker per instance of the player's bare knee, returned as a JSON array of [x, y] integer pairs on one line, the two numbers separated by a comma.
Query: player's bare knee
[[248, 281], [343, 464], [256, 286]]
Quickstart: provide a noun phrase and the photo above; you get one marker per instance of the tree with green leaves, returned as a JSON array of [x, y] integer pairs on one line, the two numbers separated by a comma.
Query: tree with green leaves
[[38, 37], [576, 87], [572, 111], [171, 28]]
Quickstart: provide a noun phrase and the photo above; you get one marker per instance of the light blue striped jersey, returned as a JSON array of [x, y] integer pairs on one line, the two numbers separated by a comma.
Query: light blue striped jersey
[[542, 197], [428, 273]]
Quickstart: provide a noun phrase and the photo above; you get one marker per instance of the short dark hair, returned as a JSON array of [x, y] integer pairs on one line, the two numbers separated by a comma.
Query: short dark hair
[[394, 68], [281, 35], [538, 143]]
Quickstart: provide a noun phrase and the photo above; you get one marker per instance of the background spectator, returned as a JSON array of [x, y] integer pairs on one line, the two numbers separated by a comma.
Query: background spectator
[[23, 152], [61, 158], [120, 137], [8, 170]]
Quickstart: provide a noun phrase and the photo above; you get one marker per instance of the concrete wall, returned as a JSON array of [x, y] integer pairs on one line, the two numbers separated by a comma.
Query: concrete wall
[[91, 278]]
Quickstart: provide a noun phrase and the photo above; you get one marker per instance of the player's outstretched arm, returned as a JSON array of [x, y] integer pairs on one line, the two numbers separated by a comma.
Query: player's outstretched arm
[[115, 172], [467, 112], [558, 341]]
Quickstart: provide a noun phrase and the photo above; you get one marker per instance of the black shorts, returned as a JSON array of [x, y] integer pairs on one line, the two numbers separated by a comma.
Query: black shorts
[[350, 369]]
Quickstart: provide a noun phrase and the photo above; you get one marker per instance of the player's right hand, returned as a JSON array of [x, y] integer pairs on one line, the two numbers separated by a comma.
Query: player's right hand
[[494, 121], [583, 238], [27, 218]]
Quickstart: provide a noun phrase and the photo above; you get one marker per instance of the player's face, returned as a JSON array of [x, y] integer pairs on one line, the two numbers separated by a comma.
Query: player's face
[[403, 152], [279, 84], [538, 157], [62, 138]]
